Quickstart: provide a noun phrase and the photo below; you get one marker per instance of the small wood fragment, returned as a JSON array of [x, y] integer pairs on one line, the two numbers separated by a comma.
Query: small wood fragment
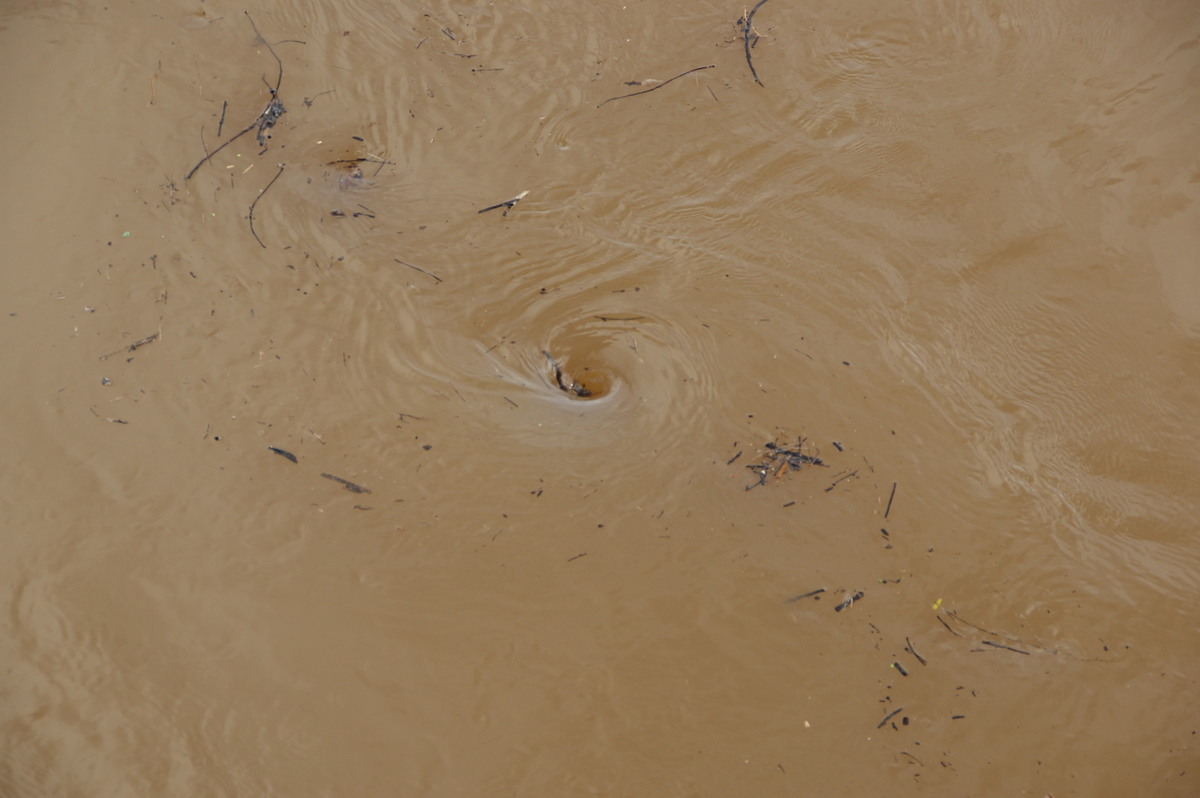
[[347, 484], [283, 453]]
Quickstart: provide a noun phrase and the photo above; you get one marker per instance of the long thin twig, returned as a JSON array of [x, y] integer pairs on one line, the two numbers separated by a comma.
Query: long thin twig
[[889, 504], [747, 28], [418, 268], [256, 199], [353, 487], [889, 716], [908, 646], [279, 80], [659, 86], [209, 155]]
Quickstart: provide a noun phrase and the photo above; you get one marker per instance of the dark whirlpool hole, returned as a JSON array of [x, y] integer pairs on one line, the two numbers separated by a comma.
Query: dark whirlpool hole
[[592, 384], [584, 383]]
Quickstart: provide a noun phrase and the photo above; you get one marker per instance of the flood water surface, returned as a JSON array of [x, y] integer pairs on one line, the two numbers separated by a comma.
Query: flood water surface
[[831, 435]]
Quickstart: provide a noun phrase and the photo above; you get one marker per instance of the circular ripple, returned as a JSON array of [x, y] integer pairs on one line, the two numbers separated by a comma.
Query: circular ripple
[[598, 377]]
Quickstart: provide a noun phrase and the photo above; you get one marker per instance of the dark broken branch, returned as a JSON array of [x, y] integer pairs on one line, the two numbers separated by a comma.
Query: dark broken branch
[[747, 32]]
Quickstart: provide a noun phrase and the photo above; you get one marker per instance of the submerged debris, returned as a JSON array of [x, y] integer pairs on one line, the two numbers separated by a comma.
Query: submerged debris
[[564, 382]]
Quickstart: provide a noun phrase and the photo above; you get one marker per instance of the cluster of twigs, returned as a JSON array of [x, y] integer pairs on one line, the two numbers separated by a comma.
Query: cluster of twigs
[[262, 123], [274, 109], [266, 120], [778, 460]]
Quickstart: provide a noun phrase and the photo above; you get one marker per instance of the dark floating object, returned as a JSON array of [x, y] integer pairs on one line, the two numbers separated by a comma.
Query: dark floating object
[[908, 646], [846, 604], [660, 85], [842, 478], [747, 32], [133, 347], [565, 383], [779, 459], [149, 339], [256, 199], [888, 509], [422, 271], [347, 484], [900, 668], [809, 594], [264, 121], [283, 453], [507, 205], [890, 715]]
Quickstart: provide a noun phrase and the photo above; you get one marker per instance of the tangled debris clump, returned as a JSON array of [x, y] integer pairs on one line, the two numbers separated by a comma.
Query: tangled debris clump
[[778, 459]]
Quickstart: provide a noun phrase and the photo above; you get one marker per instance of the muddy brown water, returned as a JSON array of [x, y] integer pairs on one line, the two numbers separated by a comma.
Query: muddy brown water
[[952, 246]]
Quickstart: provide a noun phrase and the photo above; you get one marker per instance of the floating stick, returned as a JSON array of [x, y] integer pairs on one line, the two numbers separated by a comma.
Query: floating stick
[[890, 715], [418, 268], [507, 205], [256, 199], [746, 30], [664, 83], [908, 646], [845, 604], [888, 509], [279, 80], [283, 453], [347, 484]]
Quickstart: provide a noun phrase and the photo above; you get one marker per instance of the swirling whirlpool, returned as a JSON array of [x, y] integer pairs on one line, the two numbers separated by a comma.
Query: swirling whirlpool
[[616, 375]]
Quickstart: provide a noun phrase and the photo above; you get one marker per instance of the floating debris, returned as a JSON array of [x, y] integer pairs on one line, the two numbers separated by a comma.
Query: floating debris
[[889, 504], [849, 600], [347, 484], [283, 453], [564, 382], [890, 715], [778, 459], [507, 205]]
